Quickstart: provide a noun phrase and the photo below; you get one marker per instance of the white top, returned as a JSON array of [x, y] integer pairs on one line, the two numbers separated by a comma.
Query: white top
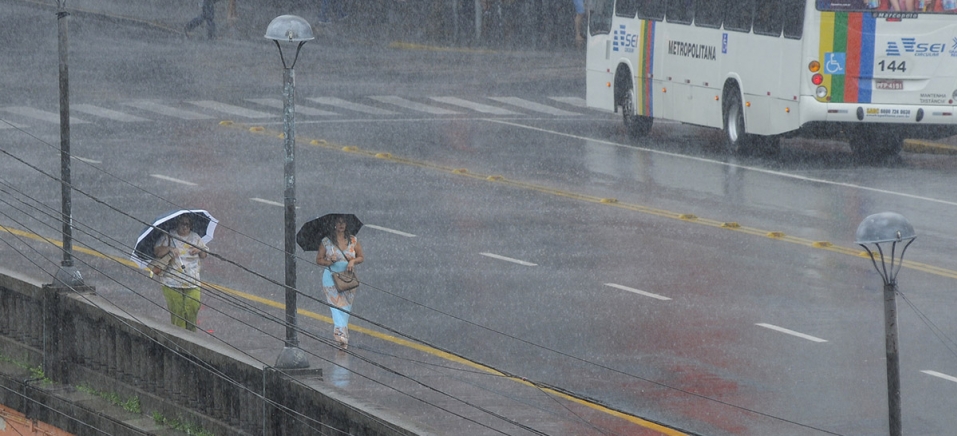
[[188, 275]]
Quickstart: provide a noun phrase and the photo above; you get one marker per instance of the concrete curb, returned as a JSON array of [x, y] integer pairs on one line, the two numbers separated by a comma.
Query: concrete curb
[[928, 147]]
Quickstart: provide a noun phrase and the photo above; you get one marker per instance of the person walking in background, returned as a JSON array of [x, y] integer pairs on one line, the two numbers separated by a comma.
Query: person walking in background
[[339, 251], [579, 18], [325, 9], [181, 280], [231, 15], [208, 15]]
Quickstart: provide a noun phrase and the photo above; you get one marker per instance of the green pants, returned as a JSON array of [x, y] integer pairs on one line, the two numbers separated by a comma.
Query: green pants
[[183, 306]]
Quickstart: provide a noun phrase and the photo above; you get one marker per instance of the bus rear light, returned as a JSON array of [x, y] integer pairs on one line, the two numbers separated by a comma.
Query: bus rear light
[[817, 79], [820, 92], [814, 66]]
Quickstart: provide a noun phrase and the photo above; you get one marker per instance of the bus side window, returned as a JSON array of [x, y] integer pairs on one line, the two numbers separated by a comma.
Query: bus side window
[[626, 8], [793, 19], [738, 15], [768, 19], [652, 9], [708, 13], [599, 18], [680, 11]]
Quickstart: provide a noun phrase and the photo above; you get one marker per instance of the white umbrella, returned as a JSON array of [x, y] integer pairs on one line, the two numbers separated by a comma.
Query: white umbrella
[[203, 225]]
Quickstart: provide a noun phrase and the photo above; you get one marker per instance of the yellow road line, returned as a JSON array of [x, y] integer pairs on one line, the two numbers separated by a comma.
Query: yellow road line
[[610, 202], [376, 334]]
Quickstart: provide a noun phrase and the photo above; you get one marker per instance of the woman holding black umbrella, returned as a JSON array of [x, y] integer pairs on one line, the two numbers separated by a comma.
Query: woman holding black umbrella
[[339, 251]]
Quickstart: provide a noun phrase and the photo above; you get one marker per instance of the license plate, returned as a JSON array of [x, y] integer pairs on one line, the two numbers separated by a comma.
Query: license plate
[[889, 84]]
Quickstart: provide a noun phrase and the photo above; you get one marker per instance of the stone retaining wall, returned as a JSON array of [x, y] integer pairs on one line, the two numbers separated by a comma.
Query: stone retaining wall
[[79, 339]]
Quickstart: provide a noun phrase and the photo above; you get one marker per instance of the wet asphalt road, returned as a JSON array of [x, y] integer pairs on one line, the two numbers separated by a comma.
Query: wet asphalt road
[[539, 241]]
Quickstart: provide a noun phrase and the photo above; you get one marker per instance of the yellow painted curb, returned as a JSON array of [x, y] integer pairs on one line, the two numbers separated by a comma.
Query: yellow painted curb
[[928, 147]]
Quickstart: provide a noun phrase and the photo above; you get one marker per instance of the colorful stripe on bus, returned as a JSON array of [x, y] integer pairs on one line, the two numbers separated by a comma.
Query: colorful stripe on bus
[[645, 69], [847, 55]]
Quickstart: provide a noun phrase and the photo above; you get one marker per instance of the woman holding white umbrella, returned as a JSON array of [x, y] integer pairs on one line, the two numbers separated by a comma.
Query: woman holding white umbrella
[[181, 284]]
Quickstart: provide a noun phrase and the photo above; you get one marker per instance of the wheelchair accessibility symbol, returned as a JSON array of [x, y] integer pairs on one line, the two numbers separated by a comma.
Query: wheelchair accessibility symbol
[[834, 63]]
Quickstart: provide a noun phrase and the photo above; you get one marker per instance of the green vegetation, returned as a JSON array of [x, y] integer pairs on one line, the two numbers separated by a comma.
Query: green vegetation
[[35, 371], [176, 424], [131, 405]]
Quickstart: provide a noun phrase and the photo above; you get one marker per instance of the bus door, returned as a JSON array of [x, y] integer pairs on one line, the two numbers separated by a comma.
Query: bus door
[[599, 65]]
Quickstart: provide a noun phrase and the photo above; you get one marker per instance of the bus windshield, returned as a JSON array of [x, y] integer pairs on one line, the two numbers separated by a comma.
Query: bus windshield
[[903, 6]]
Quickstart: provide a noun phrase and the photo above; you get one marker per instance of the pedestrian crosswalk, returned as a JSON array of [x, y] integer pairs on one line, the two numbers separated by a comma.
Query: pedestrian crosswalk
[[308, 108]]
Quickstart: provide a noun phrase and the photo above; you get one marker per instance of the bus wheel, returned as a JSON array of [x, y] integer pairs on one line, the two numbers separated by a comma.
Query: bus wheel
[[637, 125], [737, 140]]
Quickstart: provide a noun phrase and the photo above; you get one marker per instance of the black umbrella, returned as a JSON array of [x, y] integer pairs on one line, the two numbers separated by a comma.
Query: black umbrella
[[311, 233], [202, 222]]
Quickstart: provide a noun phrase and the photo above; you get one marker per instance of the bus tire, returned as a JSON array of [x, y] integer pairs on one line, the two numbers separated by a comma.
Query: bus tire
[[737, 140], [637, 125]]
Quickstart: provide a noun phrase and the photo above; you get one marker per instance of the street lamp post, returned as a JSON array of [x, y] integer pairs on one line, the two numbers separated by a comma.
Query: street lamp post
[[290, 31], [68, 276], [888, 228]]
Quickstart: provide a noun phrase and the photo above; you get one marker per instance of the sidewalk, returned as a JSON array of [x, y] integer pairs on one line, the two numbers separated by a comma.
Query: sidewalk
[[414, 386]]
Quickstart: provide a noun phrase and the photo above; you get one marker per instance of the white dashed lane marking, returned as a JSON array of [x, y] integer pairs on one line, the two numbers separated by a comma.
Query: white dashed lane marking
[[107, 113], [639, 292], [508, 259], [340, 103], [172, 179], [238, 111], [277, 104], [154, 107], [532, 106], [37, 114], [478, 107], [413, 105], [940, 375], [791, 332]]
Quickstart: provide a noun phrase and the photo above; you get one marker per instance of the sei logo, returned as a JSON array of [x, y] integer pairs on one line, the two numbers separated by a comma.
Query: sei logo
[[912, 46], [624, 41]]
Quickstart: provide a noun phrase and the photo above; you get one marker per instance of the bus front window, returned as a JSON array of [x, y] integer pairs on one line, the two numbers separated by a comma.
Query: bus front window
[[599, 16]]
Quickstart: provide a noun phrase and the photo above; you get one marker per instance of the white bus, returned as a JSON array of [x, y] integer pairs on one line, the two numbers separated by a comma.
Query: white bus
[[871, 72]]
